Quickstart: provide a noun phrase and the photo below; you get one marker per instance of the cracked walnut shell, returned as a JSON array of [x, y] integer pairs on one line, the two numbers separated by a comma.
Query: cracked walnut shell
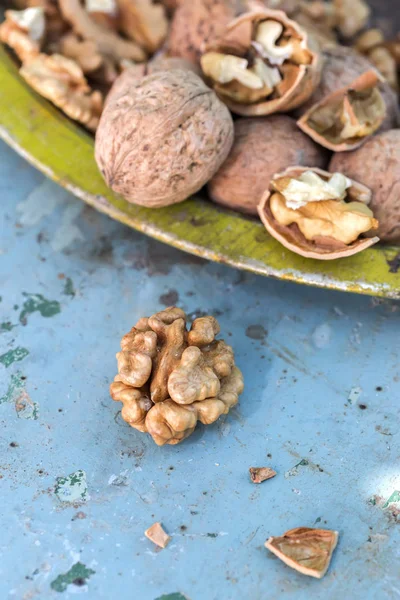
[[317, 214], [263, 64], [170, 378], [308, 551]]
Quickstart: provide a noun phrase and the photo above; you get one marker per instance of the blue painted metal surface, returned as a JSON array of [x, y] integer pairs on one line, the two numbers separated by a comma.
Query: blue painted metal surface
[[79, 487]]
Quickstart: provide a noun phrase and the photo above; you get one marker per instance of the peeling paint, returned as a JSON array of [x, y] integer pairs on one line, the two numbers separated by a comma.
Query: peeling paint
[[354, 395], [15, 387], [26, 408], [72, 488], [77, 575], [6, 326], [294, 471], [394, 499], [173, 596], [12, 356], [69, 289], [38, 303]]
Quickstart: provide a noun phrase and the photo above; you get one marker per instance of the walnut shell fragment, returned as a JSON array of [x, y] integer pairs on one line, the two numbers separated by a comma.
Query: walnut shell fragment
[[342, 66], [170, 378], [163, 138], [318, 215], [144, 22], [263, 146], [260, 474], [377, 165], [345, 119], [308, 551], [109, 43], [62, 81], [263, 64], [23, 31], [157, 535]]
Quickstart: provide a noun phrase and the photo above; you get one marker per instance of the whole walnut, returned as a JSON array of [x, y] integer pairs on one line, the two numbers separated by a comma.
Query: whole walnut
[[136, 72], [262, 147], [169, 378], [163, 139], [377, 165], [196, 23], [342, 66]]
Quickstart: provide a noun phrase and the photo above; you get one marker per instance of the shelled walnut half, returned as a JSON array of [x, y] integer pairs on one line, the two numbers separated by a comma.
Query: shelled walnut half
[[263, 64], [169, 378], [346, 118], [318, 214]]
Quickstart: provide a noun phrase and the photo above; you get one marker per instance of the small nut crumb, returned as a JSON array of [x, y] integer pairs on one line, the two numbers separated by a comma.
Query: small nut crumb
[[260, 474], [157, 535], [308, 551]]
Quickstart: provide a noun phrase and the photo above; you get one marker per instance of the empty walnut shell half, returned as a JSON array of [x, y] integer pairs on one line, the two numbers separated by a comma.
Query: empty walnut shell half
[[162, 138], [170, 378], [345, 119], [263, 64], [342, 65], [318, 215]]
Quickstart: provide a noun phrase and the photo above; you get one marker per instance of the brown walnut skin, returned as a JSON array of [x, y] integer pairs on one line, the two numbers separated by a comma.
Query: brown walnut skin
[[135, 73], [163, 139], [196, 23], [342, 66], [377, 165], [262, 148]]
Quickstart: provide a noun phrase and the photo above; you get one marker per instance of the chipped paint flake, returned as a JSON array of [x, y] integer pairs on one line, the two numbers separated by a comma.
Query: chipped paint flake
[[12, 356], [72, 489], [15, 388], [69, 289], [173, 596], [77, 575], [6, 326], [38, 303], [16, 393], [295, 470], [354, 395], [394, 499], [322, 336], [68, 232], [26, 408], [41, 202]]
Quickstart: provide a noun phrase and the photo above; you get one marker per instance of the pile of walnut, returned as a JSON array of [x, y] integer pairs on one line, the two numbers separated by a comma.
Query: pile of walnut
[[169, 378], [158, 80]]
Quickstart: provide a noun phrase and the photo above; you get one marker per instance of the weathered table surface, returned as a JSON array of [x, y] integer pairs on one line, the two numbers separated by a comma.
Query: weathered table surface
[[79, 487]]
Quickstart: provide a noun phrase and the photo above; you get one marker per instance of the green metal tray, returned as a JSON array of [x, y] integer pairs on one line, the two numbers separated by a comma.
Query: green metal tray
[[64, 152]]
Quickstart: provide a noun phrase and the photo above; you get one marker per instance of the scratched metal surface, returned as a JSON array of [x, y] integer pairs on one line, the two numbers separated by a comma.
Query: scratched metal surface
[[320, 406]]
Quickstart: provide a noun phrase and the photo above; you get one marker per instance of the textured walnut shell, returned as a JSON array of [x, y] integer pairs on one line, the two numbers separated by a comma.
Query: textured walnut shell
[[135, 73], [262, 147], [342, 66], [301, 87], [377, 165], [163, 139], [365, 81], [198, 22], [294, 240]]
